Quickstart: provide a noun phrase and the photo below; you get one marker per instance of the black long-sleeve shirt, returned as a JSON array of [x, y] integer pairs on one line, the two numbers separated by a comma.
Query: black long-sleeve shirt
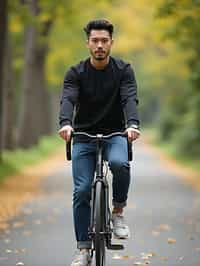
[[99, 101]]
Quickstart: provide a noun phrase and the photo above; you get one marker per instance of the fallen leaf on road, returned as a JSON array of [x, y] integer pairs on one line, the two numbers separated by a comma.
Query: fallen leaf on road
[[164, 227], [151, 254], [125, 257], [120, 257], [27, 233], [8, 251], [18, 224], [155, 233], [146, 256], [171, 241], [116, 257], [142, 263], [14, 194]]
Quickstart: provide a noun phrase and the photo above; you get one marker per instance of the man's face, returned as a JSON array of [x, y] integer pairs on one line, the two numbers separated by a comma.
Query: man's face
[[99, 44]]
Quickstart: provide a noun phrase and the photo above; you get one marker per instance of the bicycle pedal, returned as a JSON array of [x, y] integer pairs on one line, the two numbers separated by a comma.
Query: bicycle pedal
[[115, 246]]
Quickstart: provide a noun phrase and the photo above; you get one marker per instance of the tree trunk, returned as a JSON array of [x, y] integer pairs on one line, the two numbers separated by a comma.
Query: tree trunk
[[55, 105], [44, 111], [8, 99], [35, 113], [3, 31]]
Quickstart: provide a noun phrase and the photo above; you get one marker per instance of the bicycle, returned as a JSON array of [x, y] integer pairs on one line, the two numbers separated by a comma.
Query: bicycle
[[100, 229]]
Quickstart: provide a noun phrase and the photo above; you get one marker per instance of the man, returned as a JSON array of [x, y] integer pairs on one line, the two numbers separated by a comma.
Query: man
[[99, 96]]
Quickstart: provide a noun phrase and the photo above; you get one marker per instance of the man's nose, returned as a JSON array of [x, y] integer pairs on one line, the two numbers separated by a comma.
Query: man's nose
[[99, 44]]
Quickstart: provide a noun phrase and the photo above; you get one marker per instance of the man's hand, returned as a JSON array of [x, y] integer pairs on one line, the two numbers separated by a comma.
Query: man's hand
[[133, 133], [65, 132]]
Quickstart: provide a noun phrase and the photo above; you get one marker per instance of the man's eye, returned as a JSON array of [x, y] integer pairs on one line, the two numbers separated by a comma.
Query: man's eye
[[104, 41]]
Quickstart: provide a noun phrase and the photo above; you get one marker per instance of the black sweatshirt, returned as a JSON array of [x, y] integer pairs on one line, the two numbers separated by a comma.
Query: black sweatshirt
[[99, 101]]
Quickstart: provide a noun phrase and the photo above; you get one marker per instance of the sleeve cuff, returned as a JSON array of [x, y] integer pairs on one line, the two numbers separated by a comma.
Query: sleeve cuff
[[65, 123], [133, 124]]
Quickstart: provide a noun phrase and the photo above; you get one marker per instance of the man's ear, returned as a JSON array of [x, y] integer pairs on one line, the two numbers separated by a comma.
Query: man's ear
[[112, 41]]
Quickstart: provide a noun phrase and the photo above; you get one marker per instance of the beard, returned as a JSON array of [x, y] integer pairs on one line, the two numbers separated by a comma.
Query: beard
[[100, 55]]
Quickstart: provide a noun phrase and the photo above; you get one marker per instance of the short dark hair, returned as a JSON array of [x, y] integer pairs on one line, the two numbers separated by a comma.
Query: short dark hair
[[100, 24]]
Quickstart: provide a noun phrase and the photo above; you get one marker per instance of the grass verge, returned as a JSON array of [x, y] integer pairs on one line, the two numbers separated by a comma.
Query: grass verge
[[14, 161], [151, 135]]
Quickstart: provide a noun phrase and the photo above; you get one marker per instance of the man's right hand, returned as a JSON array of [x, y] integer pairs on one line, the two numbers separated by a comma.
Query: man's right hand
[[65, 132]]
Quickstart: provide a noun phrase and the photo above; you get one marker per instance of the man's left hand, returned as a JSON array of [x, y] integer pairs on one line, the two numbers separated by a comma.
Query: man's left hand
[[132, 133]]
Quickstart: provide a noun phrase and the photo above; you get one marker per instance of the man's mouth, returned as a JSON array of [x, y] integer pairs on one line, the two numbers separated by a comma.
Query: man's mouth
[[100, 52]]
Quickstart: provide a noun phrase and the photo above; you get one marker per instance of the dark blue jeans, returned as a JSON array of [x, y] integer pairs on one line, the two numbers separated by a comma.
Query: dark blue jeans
[[83, 168]]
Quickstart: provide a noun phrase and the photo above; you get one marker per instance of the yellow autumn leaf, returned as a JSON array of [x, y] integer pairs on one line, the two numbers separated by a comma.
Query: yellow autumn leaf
[[171, 240]]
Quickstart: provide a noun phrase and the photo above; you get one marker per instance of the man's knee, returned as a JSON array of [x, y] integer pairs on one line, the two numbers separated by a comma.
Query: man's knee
[[118, 165], [82, 193]]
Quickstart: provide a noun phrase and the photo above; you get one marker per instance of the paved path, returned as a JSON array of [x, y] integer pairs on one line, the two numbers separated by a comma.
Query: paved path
[[163, 214]]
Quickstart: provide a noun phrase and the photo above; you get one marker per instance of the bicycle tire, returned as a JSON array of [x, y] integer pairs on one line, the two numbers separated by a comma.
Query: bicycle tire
[[99, 241]]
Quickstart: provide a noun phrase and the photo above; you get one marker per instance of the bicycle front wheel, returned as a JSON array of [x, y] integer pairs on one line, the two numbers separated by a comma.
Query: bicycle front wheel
[[99, 241]]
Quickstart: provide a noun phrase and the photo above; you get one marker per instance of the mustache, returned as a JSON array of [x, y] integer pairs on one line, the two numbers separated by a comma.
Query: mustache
[[99, 50]]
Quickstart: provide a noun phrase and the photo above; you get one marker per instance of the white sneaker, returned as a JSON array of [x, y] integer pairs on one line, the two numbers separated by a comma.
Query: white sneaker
[[120, 229], [82, 258]]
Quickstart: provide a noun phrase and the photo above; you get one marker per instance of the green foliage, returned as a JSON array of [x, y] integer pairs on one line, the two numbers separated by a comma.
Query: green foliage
[[67, 44], [170, 149], [186, 33]]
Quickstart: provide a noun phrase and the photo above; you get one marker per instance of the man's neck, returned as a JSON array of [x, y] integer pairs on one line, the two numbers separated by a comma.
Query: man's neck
[[99, 64]]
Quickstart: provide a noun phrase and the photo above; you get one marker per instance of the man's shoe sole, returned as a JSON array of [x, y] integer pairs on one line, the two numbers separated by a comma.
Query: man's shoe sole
[[122, 237]]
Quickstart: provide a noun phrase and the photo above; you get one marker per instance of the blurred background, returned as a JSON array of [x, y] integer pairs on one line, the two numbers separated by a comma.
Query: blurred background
[[40, 39]]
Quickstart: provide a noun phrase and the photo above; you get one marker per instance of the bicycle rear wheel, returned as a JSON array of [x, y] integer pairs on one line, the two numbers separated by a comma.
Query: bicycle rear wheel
[[99, 241]]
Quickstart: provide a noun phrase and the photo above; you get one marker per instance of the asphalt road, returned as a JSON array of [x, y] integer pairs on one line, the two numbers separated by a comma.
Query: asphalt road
[[163, 214]]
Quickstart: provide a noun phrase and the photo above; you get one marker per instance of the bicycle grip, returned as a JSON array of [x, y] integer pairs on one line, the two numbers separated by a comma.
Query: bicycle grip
[[130, 152], [68, 151]]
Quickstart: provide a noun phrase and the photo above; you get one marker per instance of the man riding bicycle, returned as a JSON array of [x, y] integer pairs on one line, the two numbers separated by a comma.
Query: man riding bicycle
[[99, 96]]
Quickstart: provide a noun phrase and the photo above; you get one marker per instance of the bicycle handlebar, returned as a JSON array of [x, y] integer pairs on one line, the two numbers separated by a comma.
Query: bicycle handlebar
[[98, 136]]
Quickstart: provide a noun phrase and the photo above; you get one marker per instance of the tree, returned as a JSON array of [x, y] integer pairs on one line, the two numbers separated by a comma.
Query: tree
[[185, 32], [8, 98], [3, 32], [35, 120]]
